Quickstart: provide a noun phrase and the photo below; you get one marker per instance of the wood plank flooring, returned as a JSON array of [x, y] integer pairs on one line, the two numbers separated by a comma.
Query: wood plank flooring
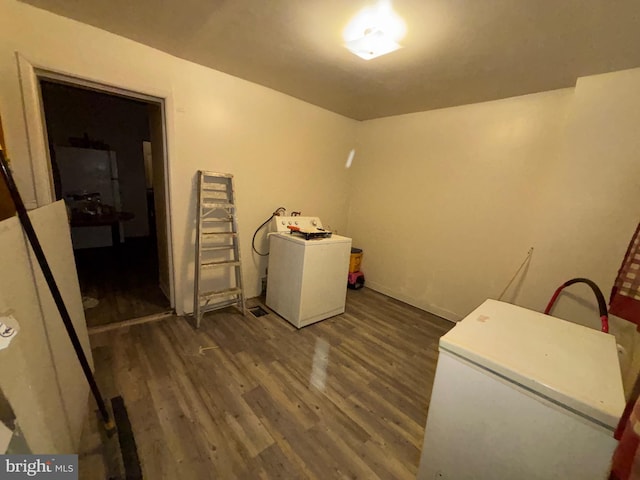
[[255, 398], [123, 279]]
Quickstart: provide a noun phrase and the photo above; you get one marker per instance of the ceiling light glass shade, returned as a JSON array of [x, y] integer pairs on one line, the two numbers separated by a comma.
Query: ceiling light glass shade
[[372, 45], [374, 31]]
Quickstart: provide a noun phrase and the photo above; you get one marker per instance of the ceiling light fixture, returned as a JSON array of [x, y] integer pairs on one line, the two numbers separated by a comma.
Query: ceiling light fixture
[[374, 31]]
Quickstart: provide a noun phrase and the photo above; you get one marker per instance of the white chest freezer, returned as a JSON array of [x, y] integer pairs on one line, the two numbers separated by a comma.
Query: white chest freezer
[[522, 395]]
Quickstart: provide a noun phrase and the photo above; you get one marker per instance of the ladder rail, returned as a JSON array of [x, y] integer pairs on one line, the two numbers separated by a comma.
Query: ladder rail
[[236, 249], [196, 280]]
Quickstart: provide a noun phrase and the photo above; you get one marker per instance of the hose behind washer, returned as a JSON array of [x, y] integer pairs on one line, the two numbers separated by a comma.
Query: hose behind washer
[[279, 211]]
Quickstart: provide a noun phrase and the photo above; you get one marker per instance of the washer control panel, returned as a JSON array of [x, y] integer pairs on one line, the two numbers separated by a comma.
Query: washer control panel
[[308, 224]]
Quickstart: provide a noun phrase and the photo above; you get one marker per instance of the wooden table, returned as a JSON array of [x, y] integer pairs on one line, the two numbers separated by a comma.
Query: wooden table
[[112, 220]]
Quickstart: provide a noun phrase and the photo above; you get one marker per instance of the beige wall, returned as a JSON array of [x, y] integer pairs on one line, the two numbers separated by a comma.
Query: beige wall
[[443, 202], [41, 376], [282, 151], [591, 204], [468, 190]]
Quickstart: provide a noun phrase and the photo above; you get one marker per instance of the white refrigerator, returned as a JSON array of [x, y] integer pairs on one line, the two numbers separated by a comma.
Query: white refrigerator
[[86, 170], [522, 395]]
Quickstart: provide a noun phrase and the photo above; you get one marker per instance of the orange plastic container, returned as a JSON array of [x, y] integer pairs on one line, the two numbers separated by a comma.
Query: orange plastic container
[[355, 260]]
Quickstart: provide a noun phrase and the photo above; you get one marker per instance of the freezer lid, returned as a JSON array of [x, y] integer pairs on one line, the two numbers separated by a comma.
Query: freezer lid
[[570, 364]]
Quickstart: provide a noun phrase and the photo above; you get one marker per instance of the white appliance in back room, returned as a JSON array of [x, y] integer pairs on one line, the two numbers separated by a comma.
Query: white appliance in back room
[[308, 269], [522, 395], [86, 170]]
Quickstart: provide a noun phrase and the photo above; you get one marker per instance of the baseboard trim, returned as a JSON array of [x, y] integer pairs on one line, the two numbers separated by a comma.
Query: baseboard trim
[[128, 323], [428, 307]]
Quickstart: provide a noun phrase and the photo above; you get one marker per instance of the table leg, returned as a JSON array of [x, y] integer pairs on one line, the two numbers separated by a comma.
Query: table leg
[[115, 234]]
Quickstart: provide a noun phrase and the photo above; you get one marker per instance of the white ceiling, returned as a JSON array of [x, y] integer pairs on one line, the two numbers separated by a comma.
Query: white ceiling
[[455, 52]]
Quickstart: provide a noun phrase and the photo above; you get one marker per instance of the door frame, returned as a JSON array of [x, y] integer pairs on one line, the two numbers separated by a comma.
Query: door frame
[[30, 76]]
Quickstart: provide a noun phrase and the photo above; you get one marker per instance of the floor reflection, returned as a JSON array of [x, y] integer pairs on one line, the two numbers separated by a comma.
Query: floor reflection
[[318, 375]]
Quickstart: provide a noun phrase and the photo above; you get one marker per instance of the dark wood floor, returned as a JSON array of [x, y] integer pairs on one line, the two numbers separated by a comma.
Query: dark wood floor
[[255, 398], [123, 279]]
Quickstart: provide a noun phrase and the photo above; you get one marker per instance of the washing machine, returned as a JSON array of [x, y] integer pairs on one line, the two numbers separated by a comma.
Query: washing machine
[[308, 269], [522, 395]]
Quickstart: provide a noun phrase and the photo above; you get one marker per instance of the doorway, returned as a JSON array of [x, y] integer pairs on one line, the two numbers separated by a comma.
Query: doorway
[[107, 162]]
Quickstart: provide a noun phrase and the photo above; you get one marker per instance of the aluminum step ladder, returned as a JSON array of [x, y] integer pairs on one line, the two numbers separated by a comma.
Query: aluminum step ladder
[[218, 269]]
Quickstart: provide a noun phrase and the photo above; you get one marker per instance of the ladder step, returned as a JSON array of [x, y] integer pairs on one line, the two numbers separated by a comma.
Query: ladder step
[[216, 198], [220, 234], [214, 205], [220, 293], [214, 248], [224, 304], [228, 263], [218, 219], [206, 174], [215, 187]]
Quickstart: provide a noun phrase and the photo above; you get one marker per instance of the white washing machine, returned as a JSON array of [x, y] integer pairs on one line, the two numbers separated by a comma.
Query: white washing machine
[[522, 395], [308, 269]]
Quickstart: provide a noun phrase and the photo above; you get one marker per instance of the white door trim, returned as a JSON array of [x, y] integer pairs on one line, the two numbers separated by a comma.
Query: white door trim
[[30, 76], [36, 133]]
